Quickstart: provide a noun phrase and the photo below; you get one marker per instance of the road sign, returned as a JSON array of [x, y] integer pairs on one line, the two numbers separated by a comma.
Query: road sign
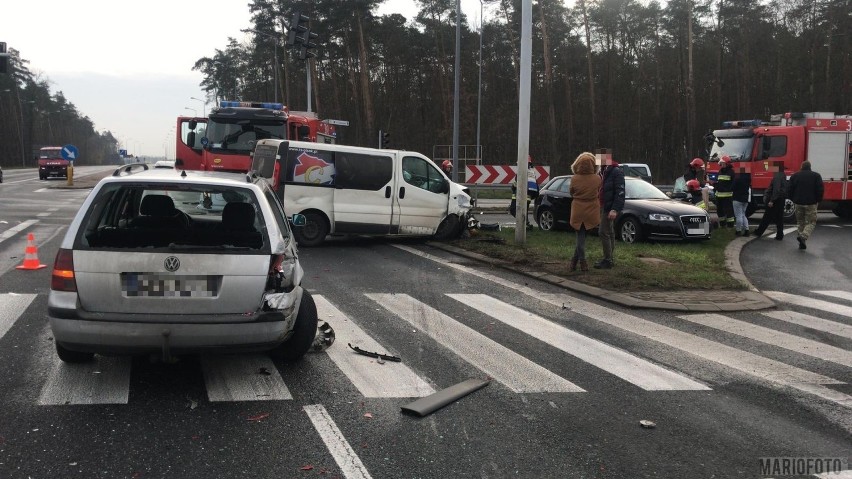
[[337, 122], [69, 152], [122, 153], [502, 174]]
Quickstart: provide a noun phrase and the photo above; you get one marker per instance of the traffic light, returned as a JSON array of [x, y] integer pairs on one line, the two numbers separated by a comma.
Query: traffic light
[[300, 35], [296, 27], [306, 38], [4, 58], [384, 139]]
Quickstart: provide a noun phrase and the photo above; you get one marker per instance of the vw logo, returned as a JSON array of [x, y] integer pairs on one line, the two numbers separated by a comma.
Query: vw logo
[[172, 263]]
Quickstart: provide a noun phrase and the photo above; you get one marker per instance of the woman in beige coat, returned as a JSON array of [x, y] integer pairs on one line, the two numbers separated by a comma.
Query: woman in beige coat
[[585, 209]]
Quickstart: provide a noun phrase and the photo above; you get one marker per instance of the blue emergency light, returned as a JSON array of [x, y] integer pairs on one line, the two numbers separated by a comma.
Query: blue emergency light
[[741, 123], [250, 104]]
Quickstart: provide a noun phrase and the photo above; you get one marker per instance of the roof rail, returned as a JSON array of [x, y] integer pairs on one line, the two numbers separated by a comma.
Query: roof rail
[[128, 168]]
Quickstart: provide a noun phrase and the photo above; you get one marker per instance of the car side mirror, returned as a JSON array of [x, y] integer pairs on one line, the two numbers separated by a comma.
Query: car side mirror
[[298, 220]]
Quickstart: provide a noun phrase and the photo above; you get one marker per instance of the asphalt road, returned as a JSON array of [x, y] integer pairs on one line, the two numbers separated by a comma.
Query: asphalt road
[[571, 377]]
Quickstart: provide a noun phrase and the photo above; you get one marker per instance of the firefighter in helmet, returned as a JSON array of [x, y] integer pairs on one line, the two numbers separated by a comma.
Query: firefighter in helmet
[[696, 171], [725, 192], [694, 193], [447, 166]]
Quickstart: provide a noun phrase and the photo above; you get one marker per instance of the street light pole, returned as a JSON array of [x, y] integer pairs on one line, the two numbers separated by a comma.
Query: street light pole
[[203, 105], [456, 95], [479, 92], [194, 111], [20, 127]]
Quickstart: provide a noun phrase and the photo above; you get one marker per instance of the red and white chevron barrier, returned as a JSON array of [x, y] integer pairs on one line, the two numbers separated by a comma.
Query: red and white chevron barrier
[[501, 174]]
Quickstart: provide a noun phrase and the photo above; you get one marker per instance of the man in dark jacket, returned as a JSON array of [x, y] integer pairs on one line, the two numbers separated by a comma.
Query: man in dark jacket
[[611, 199], [774, 198], [806, 191], [724, 193]]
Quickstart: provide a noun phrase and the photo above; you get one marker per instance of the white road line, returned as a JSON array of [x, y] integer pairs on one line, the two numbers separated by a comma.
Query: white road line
[[633, 369], [847, 295], [781, 339], [243, 378], [105, 380], [812, 322], [510, 368], [810, 303], [12, 306], [15, 229], [349, 463], [747, 363], [43, 214], [372, 380]]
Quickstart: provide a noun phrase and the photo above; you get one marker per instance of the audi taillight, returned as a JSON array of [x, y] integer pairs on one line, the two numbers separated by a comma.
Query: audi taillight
[[63, 272]]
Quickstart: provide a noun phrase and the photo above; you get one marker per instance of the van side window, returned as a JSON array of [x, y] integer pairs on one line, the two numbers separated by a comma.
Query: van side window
[[362, 172], [422, 174]]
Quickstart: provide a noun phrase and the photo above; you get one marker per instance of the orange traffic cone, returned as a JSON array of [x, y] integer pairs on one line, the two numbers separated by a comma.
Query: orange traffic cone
[[31, 255]]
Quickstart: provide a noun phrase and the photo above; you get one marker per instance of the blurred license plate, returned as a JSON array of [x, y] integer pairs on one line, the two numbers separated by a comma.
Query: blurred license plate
[[153, 285], [701, 230]]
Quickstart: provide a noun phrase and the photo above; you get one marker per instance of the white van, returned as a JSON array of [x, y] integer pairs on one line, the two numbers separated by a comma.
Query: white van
[[639, 170], [366, 191]]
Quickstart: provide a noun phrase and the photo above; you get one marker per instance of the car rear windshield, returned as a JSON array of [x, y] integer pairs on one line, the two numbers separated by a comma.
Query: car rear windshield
[[197, 218]]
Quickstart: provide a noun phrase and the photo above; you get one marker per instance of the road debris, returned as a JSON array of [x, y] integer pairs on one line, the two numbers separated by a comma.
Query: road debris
[[258, 417], [324, 338], [429, 404], [372, 354], [647, 424], [307, 467], [368, 415]]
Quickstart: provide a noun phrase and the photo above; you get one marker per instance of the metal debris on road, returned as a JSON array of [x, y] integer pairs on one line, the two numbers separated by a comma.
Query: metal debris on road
[[374, 354], [324, 338]]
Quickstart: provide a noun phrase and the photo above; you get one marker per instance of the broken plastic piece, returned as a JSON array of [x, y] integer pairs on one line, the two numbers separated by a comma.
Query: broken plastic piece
[[647, 424], [374, 355], [431, 403], [324, 338]]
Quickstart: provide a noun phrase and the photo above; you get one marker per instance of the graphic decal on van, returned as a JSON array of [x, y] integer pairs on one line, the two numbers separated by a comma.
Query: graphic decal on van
[[313, 170]]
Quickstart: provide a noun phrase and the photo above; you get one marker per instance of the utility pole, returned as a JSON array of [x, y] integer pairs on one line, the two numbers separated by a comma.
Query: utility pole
[[524, 122], [456, 95]]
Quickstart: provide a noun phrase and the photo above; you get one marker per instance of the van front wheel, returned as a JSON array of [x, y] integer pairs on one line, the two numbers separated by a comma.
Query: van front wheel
[[313, 232], [449, 228]]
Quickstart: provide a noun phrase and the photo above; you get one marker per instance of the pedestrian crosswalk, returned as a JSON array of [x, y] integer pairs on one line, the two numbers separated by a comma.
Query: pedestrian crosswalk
[[257, 378]]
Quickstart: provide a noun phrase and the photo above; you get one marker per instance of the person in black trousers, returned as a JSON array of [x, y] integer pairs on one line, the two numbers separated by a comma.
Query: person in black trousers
[[774, 198]]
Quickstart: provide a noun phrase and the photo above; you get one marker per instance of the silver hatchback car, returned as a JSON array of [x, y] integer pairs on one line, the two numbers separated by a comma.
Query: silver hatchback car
[[144, 270]]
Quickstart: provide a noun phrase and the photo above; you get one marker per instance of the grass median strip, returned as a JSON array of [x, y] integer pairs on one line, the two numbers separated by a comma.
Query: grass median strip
[[657, 266]]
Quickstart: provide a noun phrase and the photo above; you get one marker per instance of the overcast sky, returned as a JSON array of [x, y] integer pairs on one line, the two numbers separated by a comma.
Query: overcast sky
[[128, 65]]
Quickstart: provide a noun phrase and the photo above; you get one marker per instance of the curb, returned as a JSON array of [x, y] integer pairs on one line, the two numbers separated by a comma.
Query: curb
[[702, 301]]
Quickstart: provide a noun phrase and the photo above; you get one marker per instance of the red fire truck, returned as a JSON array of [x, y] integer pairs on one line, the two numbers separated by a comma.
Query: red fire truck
[[225, 139], [51, 163], [824, 139]]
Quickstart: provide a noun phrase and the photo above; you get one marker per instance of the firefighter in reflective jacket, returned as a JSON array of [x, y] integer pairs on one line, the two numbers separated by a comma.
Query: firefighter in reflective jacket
[[725, 193], [532, 188]]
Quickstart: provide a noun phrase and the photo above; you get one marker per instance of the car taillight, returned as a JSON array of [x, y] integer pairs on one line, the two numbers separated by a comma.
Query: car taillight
[[63, 272], [275, 275]]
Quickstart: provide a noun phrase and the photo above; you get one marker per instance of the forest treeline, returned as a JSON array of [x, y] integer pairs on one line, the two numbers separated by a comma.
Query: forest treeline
[[644, 80], [32, 117]]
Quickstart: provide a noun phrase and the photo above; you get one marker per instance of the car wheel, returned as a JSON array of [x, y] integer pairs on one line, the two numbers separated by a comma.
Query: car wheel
[[843, 210], [449, 228], [546, 221], [304, 331], [68, 356], [631, 230], [789, 212], [313, 232]]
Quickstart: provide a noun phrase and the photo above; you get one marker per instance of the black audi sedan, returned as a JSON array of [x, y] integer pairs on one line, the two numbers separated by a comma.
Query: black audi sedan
[[648, 213]]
